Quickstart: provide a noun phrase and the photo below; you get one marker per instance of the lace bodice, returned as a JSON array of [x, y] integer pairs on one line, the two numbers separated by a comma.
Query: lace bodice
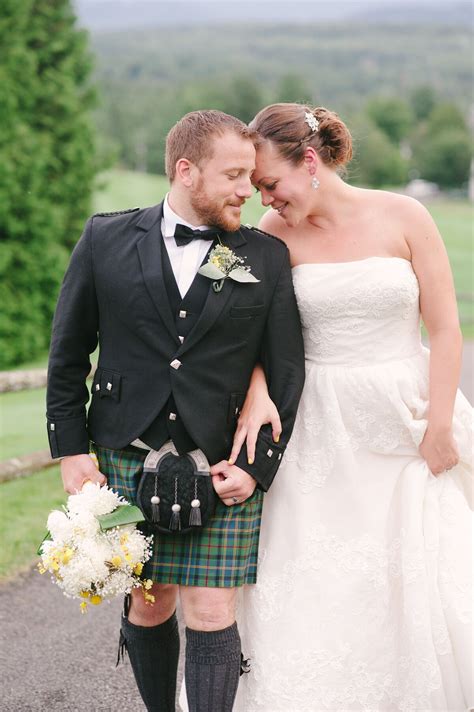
[[357, 313]]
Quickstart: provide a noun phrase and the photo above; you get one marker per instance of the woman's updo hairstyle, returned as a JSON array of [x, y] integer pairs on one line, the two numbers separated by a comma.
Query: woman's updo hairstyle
[[291, 128]]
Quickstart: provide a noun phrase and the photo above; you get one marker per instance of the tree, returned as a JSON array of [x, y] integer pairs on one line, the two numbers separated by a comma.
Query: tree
[[47, 165], [422, 100], [445, 116], [392, 116], [377, 161], [445, 158], [293, 88]]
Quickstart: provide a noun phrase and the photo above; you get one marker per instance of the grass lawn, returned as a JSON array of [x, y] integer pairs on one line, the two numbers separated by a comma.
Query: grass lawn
[[25, 503], [24, 508], [22, 423], [455, 221]]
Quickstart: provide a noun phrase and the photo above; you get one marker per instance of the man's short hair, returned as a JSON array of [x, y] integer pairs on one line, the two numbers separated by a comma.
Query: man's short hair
[[192, 136]]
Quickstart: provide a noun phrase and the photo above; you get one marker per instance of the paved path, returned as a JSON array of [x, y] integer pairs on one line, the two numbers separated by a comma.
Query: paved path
[[57, 660]]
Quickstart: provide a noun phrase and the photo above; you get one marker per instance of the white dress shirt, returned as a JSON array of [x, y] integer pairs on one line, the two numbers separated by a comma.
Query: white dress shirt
[[185, 260]]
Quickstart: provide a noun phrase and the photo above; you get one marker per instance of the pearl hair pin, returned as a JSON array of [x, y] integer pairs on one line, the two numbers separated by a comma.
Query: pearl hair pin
[[312, 121]]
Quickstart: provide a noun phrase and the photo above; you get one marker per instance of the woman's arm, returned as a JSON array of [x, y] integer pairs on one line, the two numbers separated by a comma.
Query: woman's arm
[[439, 311], [258, 410]]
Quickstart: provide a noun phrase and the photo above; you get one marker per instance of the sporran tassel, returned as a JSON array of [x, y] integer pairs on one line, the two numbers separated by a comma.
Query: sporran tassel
[[175, 521], [155, 504], [195, 513]]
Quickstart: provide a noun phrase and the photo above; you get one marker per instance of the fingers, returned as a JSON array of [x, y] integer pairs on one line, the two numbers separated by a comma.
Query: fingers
[[275, 422], [239, 439], [440, 466], [220, 468], [76, 470]]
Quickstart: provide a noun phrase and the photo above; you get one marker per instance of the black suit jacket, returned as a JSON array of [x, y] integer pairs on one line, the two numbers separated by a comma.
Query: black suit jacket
[[114, 295]]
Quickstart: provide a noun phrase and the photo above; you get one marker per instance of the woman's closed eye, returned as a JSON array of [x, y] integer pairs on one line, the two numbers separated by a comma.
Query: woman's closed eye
[[268, 188]]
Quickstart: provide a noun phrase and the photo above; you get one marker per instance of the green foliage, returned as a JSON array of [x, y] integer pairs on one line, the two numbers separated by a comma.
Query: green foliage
[[149, 78], [47, 165], [445, 158], [445, 116], [293, 88], [392, 116], [377, 162], [423, 100], [442, 147]]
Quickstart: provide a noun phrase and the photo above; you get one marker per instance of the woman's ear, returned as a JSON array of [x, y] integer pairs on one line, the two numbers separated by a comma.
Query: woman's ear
[[311, 160]]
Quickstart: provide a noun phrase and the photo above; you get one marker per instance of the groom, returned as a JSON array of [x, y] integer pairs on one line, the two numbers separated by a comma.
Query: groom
[[175, 360]]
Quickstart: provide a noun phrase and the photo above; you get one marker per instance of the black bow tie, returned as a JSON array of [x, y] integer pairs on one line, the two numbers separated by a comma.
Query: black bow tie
[[184, 235]]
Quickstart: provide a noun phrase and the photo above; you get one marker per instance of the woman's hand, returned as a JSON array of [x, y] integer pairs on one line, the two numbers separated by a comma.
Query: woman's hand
[[258, 410], [439, 450]]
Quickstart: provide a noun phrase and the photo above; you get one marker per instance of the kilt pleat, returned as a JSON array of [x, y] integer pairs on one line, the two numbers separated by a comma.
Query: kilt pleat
[[222, 554]]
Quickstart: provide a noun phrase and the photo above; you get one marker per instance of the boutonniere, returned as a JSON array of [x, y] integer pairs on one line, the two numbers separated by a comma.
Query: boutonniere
[[223, 263]]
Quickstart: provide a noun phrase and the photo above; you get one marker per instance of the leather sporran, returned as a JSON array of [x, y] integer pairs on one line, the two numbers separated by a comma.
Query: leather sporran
[[175, 492]]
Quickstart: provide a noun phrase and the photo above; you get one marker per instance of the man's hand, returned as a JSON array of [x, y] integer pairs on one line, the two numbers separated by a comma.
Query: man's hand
[[232, 484], [77, 469]]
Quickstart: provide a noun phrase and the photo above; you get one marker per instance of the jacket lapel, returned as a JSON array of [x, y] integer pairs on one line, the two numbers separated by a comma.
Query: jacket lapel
[[215, 301], [149, 251]]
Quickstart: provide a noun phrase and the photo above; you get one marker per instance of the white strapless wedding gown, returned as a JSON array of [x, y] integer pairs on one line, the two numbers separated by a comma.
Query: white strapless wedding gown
[[364, 591]]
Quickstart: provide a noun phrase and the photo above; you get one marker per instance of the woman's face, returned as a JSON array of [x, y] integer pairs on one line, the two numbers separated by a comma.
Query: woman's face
[[283, 186]]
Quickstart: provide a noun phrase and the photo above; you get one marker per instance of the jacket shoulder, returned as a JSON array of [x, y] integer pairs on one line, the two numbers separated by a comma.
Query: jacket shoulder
[[115, 212], [258, 233]]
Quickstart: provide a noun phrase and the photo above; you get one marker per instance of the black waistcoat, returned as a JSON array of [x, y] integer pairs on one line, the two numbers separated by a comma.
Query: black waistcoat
[[186, 311]]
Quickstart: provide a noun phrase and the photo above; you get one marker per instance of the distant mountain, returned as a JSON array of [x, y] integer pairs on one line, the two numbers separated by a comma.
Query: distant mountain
[[117, 15]]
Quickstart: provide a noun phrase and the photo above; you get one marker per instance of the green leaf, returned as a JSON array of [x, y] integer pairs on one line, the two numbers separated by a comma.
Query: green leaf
[[211, 271], [242, 275], [125, 514], [47, 537]]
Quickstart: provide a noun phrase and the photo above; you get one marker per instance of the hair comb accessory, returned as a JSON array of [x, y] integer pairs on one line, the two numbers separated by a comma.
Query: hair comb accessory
[[312, 121]]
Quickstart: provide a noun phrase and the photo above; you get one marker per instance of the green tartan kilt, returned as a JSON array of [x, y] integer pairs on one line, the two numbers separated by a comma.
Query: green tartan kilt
[[223, 554]]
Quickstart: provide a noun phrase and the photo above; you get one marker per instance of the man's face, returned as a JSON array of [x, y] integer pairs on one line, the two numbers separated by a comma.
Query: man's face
[[222, 183]]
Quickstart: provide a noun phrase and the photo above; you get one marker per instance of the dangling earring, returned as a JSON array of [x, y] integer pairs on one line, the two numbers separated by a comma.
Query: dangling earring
[[315, 183]]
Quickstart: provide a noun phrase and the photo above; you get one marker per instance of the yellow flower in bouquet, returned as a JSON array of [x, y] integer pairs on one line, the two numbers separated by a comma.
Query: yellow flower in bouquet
[[93, 549]]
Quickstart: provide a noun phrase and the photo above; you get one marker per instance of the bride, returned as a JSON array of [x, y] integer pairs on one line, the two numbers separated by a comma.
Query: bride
[[364, 592]]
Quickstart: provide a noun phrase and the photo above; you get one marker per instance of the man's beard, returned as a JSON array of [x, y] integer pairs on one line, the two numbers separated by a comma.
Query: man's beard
[[211, 212]]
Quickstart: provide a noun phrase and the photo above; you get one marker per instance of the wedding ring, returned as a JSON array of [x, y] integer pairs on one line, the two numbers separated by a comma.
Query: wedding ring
[[235, 500]]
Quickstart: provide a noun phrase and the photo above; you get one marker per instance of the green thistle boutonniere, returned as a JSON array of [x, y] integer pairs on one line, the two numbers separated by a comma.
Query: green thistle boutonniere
[[223, 263]]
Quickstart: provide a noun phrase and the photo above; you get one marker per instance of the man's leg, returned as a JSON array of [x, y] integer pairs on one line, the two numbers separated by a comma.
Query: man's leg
[[212, 648], [150, 632]]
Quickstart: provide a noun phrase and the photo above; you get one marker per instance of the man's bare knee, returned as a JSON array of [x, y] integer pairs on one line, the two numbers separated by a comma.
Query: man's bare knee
[[151, 614], [208, 609]]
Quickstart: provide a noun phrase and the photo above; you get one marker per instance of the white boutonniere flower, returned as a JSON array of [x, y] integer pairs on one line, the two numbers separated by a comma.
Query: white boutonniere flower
[[223, 263]]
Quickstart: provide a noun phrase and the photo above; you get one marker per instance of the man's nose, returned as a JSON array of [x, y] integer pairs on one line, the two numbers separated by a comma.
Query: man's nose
[[244, 189]]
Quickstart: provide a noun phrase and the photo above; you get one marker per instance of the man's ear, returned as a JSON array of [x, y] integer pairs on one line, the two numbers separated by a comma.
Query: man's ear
[[311, 160], [185, 172]]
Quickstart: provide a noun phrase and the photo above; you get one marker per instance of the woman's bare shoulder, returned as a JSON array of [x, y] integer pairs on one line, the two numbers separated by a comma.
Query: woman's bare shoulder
[[271, 222], [404, 205]]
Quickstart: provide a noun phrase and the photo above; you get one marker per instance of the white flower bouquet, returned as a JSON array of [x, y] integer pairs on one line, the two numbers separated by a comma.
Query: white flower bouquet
[[93, 548]]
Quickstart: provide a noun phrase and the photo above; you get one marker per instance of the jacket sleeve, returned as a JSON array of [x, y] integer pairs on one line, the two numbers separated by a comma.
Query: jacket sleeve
[[74, 338], [284, 365]]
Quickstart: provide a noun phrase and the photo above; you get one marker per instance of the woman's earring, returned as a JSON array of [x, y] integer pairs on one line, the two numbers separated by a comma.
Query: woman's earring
[[315, 183]]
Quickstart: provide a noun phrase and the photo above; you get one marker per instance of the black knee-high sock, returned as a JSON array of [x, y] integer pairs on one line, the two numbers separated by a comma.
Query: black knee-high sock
[[154, 654], [212, 669]]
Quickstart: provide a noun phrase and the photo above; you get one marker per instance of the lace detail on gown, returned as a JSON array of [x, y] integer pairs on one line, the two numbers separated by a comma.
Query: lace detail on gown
[[363, 600]]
